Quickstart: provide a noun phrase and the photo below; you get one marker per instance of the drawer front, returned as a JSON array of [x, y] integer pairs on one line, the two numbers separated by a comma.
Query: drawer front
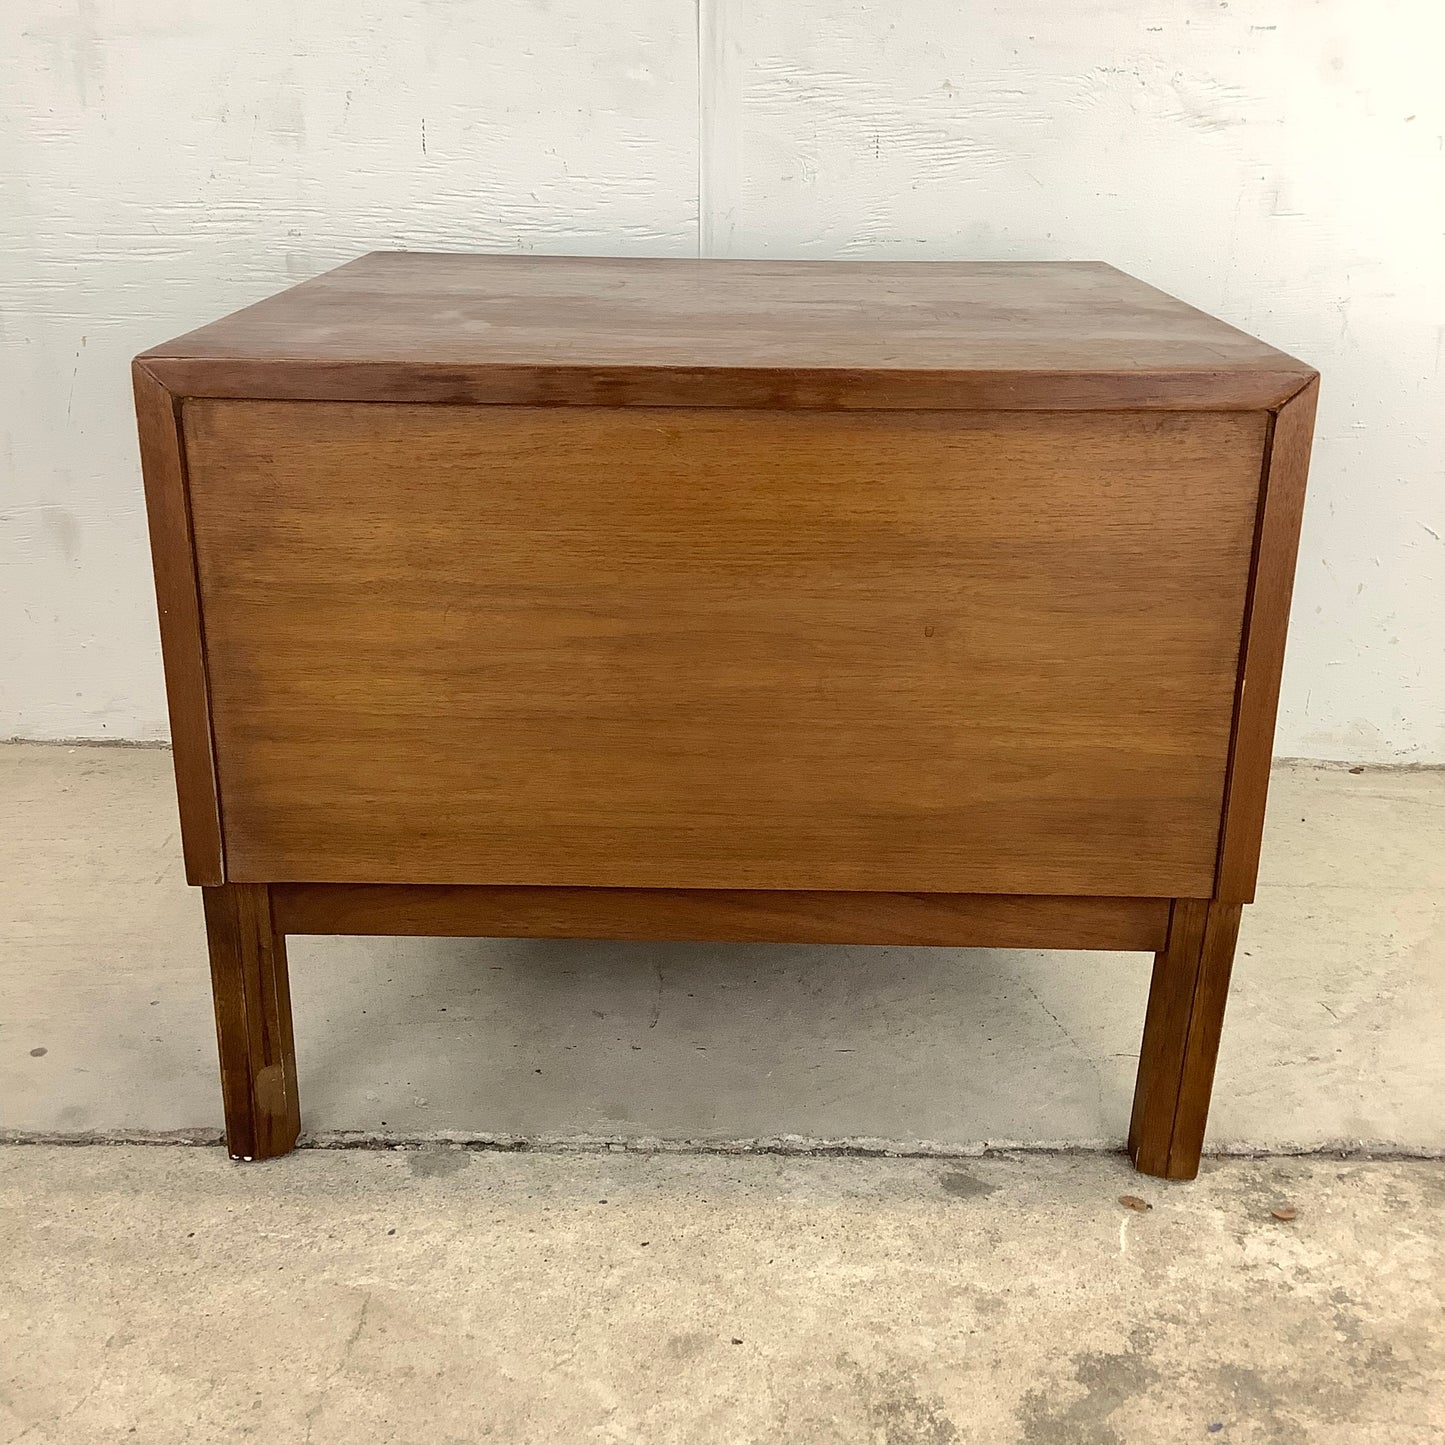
[[977, 652]]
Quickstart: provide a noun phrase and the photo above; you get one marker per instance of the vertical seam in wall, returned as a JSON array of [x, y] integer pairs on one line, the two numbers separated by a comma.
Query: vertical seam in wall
[[717, 125], [700, 11]]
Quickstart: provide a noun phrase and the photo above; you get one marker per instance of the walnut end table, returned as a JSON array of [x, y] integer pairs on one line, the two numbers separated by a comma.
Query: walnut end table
[[828, 602]]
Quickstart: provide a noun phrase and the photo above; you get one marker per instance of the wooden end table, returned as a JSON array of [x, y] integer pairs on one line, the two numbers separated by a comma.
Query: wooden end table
[[818, 602]]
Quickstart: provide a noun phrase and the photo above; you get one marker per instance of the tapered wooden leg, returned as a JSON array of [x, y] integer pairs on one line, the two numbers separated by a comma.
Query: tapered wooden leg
[[253, 1021], [1181, 1038]]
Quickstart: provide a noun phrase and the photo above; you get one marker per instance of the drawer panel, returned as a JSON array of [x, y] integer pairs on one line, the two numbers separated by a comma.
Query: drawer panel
[[942, 651]]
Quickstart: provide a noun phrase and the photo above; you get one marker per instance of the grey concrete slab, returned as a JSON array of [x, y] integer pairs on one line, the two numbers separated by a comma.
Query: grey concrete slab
[[1333, 1037], [164, 1295]]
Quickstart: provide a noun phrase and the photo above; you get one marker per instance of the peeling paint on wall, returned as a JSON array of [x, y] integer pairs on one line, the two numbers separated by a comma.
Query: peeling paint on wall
[[1281, 165]]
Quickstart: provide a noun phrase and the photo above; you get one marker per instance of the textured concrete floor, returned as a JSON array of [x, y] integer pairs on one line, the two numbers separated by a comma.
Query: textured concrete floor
[[1333, 1035], [161, 1294], [442, 1294]]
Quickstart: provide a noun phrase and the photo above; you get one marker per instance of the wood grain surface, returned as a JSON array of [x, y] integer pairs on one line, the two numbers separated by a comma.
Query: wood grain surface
[[609, 331], [252, 995], [741, 916], [1182, 1029], [1266, 624], [833, 651], [178, 607]]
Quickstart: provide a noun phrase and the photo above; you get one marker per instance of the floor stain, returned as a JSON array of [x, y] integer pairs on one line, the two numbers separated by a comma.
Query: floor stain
[[897, 1410], [688, 1344], [436, 1163], [1350, 1364], [963, 1185], [1110, 1379]]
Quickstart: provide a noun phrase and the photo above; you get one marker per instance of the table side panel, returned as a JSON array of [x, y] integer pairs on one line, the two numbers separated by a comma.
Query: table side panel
[[1262, 660], [984, 652], [163, 468]]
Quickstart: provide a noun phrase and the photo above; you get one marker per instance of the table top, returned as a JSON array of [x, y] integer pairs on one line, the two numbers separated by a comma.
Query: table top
[[436, 327]]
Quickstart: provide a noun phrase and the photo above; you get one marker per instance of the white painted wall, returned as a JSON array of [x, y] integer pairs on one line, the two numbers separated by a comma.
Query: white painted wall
[[1281, 164]]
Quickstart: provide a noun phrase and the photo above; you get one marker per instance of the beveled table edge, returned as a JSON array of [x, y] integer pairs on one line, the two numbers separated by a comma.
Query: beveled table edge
[[772, 388]]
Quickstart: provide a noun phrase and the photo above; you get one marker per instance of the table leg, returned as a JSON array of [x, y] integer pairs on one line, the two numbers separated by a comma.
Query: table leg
[[253, 1021], [1181, 1038]]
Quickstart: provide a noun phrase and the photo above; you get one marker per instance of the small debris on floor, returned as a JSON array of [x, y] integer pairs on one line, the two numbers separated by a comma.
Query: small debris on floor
[[1132, 1201], [1286, 1212]]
